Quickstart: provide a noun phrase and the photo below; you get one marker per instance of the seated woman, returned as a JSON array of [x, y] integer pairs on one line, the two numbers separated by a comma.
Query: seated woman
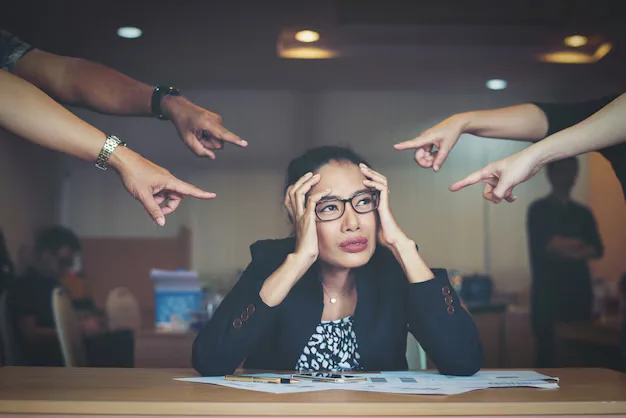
[[343, 293]]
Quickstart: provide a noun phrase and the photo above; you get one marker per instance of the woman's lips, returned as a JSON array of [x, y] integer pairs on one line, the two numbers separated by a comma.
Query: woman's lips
[[354, 245]]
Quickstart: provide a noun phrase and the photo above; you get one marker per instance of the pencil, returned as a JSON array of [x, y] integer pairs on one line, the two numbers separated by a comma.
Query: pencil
[[258, 379]]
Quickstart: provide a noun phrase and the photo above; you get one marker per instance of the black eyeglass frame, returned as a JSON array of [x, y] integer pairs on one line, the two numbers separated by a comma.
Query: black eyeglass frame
[[375, 195]]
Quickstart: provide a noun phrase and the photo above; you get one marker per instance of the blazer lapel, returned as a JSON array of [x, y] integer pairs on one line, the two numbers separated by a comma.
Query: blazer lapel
[[302, 309], [365, 314]]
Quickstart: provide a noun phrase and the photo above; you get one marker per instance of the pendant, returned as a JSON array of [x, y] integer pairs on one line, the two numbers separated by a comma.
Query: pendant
[[333, 300]]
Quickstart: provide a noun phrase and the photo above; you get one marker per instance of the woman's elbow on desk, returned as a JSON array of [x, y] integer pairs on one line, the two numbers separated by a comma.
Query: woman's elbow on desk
[[207, 360], [465, 363]]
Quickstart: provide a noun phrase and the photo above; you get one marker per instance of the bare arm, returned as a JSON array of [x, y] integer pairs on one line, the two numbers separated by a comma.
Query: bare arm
[[28, 112], [276, 288], [601, 130], [76, 81], [56, 128], [80, 82], [571, 248], [525, 122]]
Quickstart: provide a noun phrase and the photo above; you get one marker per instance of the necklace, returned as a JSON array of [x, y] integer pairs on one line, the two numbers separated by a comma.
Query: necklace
[[331, 298]]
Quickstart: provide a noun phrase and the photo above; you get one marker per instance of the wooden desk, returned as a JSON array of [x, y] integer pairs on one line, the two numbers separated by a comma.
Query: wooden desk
[[152, 392]]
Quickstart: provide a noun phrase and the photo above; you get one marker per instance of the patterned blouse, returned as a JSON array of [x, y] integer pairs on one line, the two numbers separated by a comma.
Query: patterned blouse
[[333, 346]]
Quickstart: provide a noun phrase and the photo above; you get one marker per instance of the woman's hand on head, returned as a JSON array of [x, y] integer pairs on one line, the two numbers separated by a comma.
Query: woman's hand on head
[[389, 233], [301, 209]]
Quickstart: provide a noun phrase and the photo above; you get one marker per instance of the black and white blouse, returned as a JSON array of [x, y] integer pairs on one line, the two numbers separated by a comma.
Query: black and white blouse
[[333, 346]]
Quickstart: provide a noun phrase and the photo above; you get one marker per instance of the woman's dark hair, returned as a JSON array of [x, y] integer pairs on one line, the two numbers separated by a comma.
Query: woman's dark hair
[[318, 157]]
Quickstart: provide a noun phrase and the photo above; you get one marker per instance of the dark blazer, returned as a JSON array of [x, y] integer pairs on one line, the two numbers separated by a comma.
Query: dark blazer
[[273, 338]]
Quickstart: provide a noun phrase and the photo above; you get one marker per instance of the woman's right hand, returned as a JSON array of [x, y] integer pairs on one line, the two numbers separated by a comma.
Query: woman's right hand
[[302, 213]]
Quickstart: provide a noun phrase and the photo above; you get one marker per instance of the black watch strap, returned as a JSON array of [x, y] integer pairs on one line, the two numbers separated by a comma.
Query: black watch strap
[[157, 95]]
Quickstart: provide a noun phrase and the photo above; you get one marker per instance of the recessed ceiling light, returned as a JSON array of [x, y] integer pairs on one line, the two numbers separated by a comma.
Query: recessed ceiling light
[[307, 36], [496, 84], [129, 32], [576, 41], [602, 50], [307, 53], [576, 57]]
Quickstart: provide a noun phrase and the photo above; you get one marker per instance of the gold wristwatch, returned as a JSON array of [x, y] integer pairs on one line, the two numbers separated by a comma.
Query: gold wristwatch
[[112, 142]]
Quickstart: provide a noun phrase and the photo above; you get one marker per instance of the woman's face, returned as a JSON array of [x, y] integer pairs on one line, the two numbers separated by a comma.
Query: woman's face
[[350, 240]]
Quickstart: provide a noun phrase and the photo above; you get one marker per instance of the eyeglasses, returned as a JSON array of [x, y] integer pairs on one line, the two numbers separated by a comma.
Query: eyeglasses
[[333, 208]]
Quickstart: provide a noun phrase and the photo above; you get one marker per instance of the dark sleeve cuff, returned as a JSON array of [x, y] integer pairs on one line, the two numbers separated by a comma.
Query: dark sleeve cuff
[[252, 314], [436, 293], [12, 49]]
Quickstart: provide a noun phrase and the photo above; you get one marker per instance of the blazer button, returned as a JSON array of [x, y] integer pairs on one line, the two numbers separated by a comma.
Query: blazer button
[[450, 309], [448, 299], [244, 316], [237, 323], [445, 290], [251, 309]]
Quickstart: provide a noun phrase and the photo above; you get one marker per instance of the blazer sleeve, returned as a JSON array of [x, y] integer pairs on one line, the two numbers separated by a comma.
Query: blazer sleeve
[[240, 321], [443, 327]]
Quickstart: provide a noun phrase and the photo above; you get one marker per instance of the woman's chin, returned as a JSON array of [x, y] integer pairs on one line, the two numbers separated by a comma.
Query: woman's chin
[[351, 260]]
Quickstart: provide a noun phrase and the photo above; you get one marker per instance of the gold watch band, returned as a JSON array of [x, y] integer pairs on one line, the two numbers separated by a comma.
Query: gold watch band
[[112, 142]]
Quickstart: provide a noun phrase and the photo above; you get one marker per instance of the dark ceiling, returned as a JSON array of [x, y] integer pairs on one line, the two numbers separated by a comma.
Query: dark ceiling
[[232, 44]]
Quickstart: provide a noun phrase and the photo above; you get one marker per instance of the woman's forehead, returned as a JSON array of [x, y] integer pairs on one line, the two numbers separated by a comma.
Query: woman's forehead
[[343, 178]]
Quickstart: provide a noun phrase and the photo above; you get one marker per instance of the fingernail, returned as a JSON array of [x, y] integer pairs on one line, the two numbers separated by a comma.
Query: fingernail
[[244, 143], [308, 174], [436, 168], [161, 221]]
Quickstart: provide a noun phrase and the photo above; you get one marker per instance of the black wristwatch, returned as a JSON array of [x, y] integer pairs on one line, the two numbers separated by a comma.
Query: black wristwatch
[[157, 95]]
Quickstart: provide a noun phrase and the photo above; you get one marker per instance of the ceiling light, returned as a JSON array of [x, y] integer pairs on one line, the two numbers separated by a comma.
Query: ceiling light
[[307, 36], [602, 51], [575, 57], [496, 84], [576, 41], [567, 57], [307, 53], [129, 32]]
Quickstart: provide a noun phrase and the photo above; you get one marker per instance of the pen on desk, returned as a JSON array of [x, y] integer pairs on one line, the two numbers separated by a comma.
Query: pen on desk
[[259, 379]]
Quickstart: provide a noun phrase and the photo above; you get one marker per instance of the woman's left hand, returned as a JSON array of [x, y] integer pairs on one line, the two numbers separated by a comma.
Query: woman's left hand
[[389, 233]]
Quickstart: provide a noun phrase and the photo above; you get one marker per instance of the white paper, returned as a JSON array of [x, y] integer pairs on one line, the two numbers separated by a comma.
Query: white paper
[[259, 387], [481, 376], [410, 390], [402, 382]]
